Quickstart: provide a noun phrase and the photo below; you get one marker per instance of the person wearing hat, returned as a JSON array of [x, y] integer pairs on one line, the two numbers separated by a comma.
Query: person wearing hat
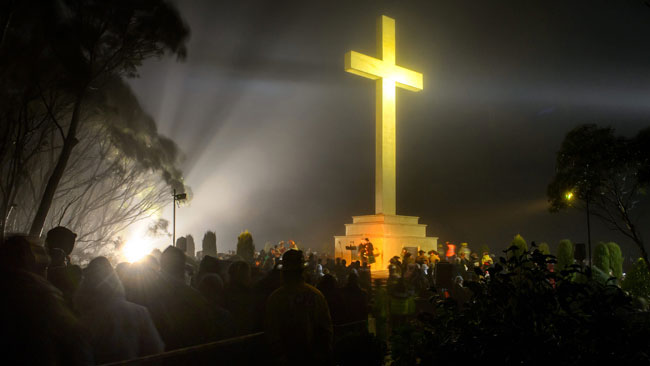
[[297, 322], [59, 244]]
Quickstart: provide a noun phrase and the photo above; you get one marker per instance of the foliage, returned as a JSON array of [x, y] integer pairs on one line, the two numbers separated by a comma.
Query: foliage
[[86, 156], [209, 243], [601, 257], [159, 227], [181, 243], [59, 58], [615, 259], [606, 176], [520, 246], [637, 280], [245, 246], [524, 314], [544, 249], [564, 254], [191, 247]]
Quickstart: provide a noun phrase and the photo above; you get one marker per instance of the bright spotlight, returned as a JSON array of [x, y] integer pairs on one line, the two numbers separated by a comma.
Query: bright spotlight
[[136, 249], [568, 196]]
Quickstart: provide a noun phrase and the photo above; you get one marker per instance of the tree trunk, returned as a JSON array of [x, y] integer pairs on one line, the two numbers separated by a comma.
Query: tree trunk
[[3, 223], [637, 239], [53, 183], [644, 254]]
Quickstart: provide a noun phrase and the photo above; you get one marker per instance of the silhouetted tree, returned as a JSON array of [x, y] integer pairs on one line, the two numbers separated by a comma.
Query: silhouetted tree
[[606, 175], [209, 246], [160, 227], [191, 248], [27, 75], [564, 254], [544, 249], [615, 259], [601, 257], [245, 246], [520, 245], [103, 190], [93, 42], [181, 243]]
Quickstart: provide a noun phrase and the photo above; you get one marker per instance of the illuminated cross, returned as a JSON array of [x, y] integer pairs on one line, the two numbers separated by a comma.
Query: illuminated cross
[[388, 75]]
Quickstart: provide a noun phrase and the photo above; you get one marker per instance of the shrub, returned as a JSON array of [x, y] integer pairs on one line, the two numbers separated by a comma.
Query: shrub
[[543, 247], [615, 259], [209, 244], [524, 314], [245, 246], [518, 246], [637, 281], [564, 254], [601, 257]]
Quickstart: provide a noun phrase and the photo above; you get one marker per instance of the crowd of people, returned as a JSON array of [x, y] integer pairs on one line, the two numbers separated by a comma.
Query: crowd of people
[[103, 313], [65, 314]]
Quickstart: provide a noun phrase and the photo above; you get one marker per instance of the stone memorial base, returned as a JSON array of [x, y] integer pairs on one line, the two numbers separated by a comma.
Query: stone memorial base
[[388, 234]]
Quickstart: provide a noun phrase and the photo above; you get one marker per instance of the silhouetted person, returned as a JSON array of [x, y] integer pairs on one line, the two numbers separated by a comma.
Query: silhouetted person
[[61, 238], [262, 290], [38, 328], [122, 270], [59, 243], [208, 265], [329, 287], [212, 288], [24, 253], [459, 293], [342, 271], [298, 324], [118, 329], [181, 314], [355, 299], [172, 263], [238, 299]]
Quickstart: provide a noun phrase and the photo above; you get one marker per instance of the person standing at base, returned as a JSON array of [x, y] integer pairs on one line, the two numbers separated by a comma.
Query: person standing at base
[[298, 324]]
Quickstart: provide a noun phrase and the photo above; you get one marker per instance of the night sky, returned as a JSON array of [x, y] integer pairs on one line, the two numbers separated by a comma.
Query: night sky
[[279, 140]]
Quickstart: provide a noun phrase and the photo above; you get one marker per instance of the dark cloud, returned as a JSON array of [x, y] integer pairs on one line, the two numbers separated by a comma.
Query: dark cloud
[[280, 140]]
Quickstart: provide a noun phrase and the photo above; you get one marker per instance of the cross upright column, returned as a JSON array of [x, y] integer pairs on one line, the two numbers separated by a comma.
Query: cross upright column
[[385, 160], [387, 76]]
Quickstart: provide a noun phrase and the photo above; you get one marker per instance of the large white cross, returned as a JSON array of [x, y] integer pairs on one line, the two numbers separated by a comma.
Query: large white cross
[[388, 76]]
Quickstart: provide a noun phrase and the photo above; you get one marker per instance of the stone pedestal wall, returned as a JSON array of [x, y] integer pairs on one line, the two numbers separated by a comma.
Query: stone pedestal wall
[[388, 234]]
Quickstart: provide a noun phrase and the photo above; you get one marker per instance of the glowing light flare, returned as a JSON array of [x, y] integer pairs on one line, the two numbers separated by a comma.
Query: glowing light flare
[[568, 196], [136, 248]]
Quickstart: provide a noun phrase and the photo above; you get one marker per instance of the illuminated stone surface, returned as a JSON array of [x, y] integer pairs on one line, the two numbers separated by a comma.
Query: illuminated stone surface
[[388, 232], [388, 76]]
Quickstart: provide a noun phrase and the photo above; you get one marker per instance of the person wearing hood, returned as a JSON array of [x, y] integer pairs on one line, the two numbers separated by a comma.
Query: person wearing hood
[[118, 329]]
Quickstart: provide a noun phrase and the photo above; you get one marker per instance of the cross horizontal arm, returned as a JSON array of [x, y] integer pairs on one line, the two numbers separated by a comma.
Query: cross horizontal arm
[[407, 79], [372, 68], [366, 66]]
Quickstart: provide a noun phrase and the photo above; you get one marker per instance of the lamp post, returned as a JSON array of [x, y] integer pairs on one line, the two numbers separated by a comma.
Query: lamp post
[[569, 197], [588, 231], [177, 197]]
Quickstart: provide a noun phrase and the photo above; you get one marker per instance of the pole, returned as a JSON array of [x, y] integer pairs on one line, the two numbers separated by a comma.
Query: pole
[[174, 221], [588, 231]]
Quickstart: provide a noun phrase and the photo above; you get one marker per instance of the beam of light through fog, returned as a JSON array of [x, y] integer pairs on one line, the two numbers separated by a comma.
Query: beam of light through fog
[[279, 140]]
